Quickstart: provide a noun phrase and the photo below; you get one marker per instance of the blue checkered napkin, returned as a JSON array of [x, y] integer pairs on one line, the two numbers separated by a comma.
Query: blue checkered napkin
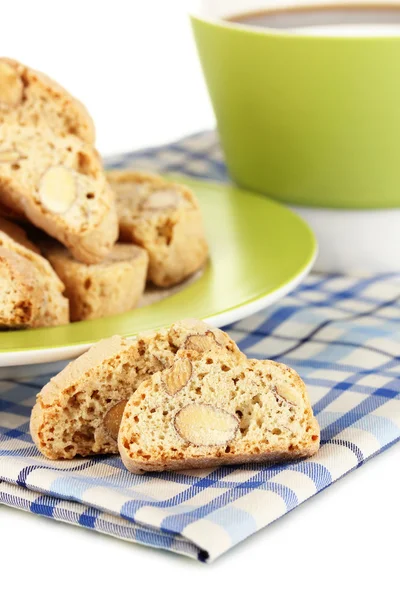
[[342, 334]]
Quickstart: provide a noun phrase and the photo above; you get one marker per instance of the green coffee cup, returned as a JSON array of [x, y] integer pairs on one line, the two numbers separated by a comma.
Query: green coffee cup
[[308, 120]]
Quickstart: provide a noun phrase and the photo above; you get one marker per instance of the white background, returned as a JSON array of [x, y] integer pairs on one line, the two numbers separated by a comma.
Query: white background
[[134, 64]]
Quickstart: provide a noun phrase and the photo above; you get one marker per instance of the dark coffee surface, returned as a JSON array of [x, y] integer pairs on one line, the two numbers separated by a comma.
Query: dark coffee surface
[[313, 16]]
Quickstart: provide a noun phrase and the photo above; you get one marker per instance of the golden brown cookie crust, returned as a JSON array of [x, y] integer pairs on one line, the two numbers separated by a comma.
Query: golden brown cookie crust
[[21, 295], [17, 234], [54, 308], [30, 98], [165, 219], [108, 288]]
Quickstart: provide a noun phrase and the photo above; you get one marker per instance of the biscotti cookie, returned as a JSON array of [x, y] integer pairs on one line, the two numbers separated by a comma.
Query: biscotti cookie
[[28, 97], [14, 215], [214, 411], [17, 234], [111, 287], [78, 412], [21, 295], [54, 309], [59, 184], [165, 219]]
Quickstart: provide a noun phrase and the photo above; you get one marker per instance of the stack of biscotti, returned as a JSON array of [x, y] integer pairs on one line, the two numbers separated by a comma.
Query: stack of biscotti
[[184, 397], [31, 293], [52, 177], [50, 172]]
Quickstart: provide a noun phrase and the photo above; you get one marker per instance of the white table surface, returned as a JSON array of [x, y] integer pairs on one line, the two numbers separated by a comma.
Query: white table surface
[[134, 64]]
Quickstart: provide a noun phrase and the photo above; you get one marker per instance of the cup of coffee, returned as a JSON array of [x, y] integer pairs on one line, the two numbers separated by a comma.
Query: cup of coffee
[[307, 99]]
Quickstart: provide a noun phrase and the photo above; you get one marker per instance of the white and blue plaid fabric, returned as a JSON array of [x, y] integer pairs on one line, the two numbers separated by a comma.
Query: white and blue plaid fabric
[[343, 336]]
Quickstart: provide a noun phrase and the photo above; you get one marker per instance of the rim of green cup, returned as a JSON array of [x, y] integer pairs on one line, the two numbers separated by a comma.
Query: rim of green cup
[[290, 33]]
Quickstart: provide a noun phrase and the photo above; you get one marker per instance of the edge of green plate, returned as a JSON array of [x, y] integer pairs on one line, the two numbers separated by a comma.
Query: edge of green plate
[[89, 334]]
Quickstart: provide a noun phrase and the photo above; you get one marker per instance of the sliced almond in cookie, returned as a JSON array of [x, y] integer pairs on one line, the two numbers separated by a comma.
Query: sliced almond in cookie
[[112, 419], [205, 425], [11, 86], [199, 327], [161, 200], [177, 376], [201, 343], [58, 189], [285, 393]]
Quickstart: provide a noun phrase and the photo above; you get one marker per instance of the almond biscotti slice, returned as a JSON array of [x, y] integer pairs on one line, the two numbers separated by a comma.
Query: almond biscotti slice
[[78, 412], [28, 97], [108, 288], [215, 411], [17, 234], [165, 219], [21, 295], [59, 184], [54, 309]]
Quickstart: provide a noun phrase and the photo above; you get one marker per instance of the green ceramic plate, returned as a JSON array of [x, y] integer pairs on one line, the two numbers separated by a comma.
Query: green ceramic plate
[[259, 252]]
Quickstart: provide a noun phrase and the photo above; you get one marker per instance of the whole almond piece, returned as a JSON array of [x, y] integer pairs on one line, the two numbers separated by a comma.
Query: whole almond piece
[[176, 377], [112, 420], [58, 189], [201, 343], [205, 425], [285, 393], [157, 363], [11, 86]]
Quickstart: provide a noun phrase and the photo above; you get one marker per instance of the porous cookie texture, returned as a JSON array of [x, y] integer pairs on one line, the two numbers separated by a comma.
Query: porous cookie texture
[[58, 183], [17, 234], [214, 411], [78, 412], [165, 219], [54, 308], [108, 288], [30, 98], [21, 295]]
